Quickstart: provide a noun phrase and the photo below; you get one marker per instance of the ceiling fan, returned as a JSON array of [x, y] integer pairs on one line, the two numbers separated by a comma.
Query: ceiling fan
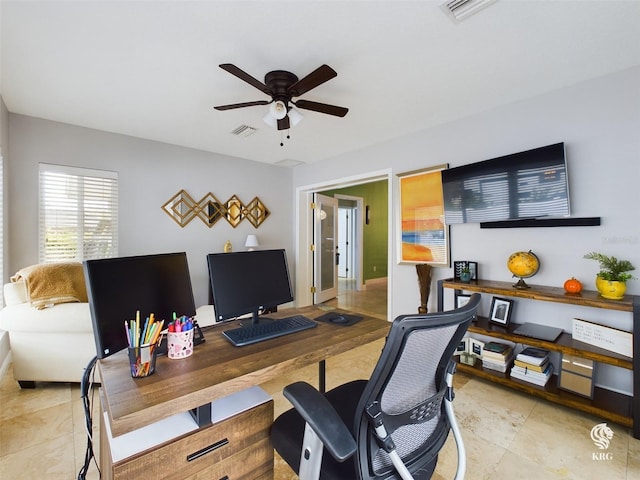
[[282, 87]]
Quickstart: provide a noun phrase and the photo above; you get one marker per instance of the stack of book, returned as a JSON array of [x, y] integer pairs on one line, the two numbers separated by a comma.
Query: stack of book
[[532, 365], [497, 356]]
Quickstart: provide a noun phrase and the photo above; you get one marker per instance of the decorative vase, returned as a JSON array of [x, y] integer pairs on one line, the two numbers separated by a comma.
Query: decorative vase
[[610, 290], [465, 277]]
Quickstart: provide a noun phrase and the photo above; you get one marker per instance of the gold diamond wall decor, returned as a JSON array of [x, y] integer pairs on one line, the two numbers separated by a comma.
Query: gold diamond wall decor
[[210, 210], [182, 209], [256, 212], [235, 210]]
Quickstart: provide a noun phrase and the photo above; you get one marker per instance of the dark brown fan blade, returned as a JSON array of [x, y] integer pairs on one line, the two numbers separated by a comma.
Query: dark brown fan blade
[[242, 75], [315, 78], [241, 105], [322, 108], [283, 123]]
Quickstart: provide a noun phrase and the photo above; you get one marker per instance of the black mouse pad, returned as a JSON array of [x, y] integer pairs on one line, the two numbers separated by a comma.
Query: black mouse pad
[[330, 317]]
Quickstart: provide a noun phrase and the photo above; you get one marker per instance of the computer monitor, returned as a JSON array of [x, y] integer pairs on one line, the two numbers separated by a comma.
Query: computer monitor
[[118, 287], [248, 282]]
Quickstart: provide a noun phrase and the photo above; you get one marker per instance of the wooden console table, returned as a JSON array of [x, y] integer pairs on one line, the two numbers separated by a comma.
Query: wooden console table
[[614, 406], [216, 370]]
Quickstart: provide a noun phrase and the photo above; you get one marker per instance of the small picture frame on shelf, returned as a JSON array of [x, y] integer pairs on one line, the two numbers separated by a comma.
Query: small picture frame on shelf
[[500, 312], [463, 346], [476, 347], [461, 299], [460, 265]]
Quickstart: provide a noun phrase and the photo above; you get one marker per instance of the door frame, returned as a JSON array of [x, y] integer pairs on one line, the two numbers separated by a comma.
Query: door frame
[[304, 231]]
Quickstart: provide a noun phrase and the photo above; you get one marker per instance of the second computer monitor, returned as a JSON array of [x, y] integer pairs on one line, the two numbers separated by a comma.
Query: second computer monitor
[[248, 282]]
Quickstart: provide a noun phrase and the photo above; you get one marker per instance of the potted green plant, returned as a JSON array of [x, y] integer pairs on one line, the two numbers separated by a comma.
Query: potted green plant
[[465, 273], [611, 280]]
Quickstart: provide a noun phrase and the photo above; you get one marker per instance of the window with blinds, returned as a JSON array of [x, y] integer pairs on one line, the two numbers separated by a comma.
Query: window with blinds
[[78, 213]]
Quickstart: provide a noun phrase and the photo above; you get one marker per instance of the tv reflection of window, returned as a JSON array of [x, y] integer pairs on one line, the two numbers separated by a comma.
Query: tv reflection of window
[[528, 184]]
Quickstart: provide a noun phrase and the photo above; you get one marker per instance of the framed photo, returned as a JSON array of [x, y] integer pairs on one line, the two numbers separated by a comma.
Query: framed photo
[[463, 346], [476, 347], [424, 237], [461, 299], [500, 311], [459, 265], [473, 267]]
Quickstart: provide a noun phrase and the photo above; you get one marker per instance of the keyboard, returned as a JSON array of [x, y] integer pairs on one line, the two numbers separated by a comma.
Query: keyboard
[[248, 334]]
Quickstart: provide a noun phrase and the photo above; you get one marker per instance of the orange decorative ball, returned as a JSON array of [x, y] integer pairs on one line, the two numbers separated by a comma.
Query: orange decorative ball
[[573, 286]]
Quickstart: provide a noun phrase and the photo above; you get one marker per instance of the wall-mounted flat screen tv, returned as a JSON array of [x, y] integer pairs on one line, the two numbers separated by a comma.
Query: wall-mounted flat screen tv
[[524, 185]]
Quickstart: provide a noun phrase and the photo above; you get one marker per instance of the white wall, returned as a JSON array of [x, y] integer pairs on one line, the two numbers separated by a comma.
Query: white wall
[[149, 174], [599, 121], [4, 152]]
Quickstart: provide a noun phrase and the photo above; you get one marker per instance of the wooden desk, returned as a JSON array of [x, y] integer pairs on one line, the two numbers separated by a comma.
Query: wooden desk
[[217, 369]]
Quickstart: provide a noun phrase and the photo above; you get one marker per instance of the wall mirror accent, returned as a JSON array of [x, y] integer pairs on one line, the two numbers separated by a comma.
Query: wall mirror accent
[[234, 211], [182, 208], [256, 212], [210, 210]]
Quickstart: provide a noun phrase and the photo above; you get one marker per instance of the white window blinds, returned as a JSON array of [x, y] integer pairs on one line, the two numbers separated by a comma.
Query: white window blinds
[[78, 213]]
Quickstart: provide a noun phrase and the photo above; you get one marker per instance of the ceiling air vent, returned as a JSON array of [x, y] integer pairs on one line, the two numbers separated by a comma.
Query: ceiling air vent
[[243, 131], [288, 162], [458, 10]]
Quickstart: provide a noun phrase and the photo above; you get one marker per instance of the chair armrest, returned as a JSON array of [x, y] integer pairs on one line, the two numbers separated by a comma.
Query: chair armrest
[[320, 415]]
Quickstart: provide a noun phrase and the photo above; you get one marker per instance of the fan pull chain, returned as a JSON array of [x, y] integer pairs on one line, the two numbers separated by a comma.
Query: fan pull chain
[[281, 140]]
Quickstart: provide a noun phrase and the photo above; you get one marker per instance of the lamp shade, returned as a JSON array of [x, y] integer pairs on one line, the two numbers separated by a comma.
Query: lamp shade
[[278, 110], [270, 120], [252, 242], [295, 116]]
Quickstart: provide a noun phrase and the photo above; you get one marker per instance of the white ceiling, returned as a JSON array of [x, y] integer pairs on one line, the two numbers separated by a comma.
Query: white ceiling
[[150, 69]]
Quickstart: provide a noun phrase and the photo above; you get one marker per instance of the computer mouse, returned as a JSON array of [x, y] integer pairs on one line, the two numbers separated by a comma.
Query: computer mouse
[[339, 319]]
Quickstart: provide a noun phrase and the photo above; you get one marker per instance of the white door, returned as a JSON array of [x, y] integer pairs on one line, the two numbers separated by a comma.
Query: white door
[[325, 239], [347, 215]]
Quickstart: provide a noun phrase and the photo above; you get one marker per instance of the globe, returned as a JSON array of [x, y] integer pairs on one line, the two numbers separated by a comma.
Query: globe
[[523, 265]]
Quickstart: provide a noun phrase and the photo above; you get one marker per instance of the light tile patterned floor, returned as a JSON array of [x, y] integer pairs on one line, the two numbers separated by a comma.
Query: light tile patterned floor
[[507, 434]]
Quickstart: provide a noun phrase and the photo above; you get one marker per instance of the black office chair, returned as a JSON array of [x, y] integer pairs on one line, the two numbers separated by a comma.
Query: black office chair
[[390, 426]]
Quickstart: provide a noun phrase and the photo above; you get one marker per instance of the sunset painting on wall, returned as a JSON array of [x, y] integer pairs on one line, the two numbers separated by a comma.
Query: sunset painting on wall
[[424, 236]]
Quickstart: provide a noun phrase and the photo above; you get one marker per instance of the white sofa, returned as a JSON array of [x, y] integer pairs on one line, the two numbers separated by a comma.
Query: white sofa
[[53, 344]]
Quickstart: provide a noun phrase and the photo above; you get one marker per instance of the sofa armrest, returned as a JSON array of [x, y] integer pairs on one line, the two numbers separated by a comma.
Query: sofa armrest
[[15, 293]]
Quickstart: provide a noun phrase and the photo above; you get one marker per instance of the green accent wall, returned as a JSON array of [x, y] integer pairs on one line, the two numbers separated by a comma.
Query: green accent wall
[[375, 234]]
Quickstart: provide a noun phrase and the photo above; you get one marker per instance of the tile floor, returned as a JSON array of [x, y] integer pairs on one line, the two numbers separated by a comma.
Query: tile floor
[[507, 434]]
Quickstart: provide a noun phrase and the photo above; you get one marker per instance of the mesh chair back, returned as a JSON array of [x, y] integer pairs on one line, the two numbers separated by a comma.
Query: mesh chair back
[[408, 383]]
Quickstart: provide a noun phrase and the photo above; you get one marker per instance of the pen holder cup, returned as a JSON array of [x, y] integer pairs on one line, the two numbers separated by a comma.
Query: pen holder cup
[[179, 344], [142, 360]]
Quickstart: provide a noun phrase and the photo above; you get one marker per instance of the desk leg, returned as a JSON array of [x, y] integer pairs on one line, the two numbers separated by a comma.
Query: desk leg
[[322, 376]]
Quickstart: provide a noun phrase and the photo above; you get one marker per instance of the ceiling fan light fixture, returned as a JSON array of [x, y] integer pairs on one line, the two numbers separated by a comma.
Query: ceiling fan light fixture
[[278, 109], [295, 116], [270, 120]]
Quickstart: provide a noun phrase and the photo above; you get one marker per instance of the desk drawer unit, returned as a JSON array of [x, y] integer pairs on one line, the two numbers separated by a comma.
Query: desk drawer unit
[[235, 448]]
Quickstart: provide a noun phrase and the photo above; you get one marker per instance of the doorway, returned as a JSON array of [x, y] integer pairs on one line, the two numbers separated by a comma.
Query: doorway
[[350, 242], [304, 232], [347, 214]]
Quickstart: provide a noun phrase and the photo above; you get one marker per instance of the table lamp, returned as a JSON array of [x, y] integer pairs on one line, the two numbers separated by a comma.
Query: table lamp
[[252, 242]]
